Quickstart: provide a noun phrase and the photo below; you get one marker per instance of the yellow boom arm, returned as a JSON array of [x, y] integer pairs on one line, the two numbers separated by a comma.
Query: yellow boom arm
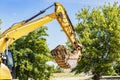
[[23, 28]]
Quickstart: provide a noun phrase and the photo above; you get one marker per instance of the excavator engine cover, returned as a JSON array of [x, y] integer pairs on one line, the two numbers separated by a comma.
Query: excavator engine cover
[[64, 58]]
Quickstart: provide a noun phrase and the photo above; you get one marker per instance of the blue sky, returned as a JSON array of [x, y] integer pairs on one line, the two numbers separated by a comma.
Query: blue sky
[[13, 11]]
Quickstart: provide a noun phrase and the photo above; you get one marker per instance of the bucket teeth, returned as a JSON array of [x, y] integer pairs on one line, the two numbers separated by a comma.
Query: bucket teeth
[[60, 54]]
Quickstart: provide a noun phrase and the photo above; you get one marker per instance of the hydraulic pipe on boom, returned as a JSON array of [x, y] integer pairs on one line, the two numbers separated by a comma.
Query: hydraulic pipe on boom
[[61, 54]]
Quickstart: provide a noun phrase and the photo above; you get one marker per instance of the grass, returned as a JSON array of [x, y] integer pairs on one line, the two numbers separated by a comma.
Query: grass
[[58, 75], [70, 76]]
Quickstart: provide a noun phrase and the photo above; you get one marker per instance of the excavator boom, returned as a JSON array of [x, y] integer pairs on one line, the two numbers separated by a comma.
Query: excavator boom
[[16, 32]]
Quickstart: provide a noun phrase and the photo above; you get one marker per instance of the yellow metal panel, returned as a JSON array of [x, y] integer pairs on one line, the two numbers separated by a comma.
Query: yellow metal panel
[[65, 23], [15, 32], [5, 73]]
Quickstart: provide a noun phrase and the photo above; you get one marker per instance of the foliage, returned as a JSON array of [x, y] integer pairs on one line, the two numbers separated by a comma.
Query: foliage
[[117, 69], [31, 54], [0, 21], [99, 32], [58, 70]]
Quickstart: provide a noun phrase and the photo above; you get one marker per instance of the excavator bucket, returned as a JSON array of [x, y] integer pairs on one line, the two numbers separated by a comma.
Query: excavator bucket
[[64, 58]]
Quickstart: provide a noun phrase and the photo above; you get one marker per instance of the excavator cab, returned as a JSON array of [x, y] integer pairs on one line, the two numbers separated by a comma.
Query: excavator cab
[[8, 60]]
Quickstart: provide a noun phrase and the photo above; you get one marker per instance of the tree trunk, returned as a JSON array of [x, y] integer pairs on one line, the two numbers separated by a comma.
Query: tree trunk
[[96, 77]]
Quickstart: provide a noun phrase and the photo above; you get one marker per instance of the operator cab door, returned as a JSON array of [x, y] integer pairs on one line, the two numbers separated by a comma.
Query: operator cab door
[[9, 61]]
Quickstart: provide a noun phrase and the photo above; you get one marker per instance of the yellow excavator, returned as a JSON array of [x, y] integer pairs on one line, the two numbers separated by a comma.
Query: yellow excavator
[[64, 57]]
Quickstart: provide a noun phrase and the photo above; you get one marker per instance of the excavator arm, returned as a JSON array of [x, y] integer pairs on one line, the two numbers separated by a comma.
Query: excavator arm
[[61, 54], [21, 29]]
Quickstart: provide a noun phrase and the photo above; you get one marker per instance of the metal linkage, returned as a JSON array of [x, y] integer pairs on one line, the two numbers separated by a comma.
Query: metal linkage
[[41, 12]]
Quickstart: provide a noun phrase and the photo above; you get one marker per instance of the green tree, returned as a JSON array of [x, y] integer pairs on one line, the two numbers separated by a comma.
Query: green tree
[[99, 32], [31, 54], [0, 22], [117, 69]]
